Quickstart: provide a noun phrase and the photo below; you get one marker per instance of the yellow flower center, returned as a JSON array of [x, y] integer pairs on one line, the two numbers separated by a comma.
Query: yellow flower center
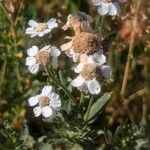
[[43, 57], [41, 26], [86, 43], [44, 101]]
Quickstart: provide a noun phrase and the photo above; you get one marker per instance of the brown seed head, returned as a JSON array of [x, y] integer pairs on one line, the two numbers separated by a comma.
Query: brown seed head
[[43, 57], [80, 22], [90, 71], [86, 43], [44, 101], [77, 17]]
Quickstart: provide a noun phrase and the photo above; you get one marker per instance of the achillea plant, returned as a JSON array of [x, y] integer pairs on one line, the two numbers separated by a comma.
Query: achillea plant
[[66, 82]]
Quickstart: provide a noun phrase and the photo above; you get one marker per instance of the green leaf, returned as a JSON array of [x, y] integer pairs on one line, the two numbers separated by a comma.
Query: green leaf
[[46, 146], [97, 106], [76, 147]]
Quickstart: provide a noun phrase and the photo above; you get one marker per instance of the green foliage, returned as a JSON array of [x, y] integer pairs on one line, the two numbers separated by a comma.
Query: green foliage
[[96, 107]]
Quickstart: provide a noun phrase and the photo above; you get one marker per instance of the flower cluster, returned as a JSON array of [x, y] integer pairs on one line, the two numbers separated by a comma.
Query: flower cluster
[[48, 101], [85, 48], [48, 54]]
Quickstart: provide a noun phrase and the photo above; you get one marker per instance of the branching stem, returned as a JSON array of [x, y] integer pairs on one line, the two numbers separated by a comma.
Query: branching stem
[[60, 84]]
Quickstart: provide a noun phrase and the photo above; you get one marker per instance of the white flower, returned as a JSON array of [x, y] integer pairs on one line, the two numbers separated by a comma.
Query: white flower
[[85, 44], [40, 29], [38, 57], [109, 7], [46, 103], [89, 76]]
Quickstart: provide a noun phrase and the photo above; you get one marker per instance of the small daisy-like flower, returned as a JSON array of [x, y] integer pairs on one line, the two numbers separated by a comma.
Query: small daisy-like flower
[[37, 58], [110, 7], [79, 21], [85, 43], [40, 29], [89, 76], [46, 103]]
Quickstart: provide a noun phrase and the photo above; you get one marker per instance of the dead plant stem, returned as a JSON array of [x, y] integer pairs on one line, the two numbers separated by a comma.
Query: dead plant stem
[[129, 59]]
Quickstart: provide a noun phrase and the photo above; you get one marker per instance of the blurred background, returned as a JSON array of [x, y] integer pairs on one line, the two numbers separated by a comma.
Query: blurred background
[[18, 127]]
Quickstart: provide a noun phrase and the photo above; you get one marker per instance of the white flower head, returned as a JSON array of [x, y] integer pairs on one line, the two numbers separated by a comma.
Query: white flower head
[[107, 7], [85, 44], [37, 58], [40, 29], [89, 76], [46, 103]]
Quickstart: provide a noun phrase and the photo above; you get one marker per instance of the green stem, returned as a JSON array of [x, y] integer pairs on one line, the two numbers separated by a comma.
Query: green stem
[[3, 74], [101, 23], [60, 84], [81, 98]]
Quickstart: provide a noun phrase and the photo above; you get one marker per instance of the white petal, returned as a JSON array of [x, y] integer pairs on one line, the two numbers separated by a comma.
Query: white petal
[[30, 61], [78, 68], [37, 111], [47, 111], [55, 62], [93, 86], [78, 81], [66, 46], [83, 87], [46, 31], [33, 35], [98, 57], [30, 30], [41, 34], [103, 8], [67, 25], [70, 53], [54, 51], [56, 103], [107, 72], [53, 95], [114, 9], [33, 100], [52, 23], [34, 68], [84, 58], [32, 51], [46, 90], [32, 23], [97, 2], [46, 48], [76, 57]]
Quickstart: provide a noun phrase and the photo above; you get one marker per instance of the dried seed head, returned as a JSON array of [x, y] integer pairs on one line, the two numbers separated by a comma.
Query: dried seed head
[[77, 17], [44, 101], [80, 22], [41, 26], [43, 57], [86, 43], [90, 71]]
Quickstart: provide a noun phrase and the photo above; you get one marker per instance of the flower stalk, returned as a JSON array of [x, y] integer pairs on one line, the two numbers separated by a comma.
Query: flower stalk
[[59, 83]]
